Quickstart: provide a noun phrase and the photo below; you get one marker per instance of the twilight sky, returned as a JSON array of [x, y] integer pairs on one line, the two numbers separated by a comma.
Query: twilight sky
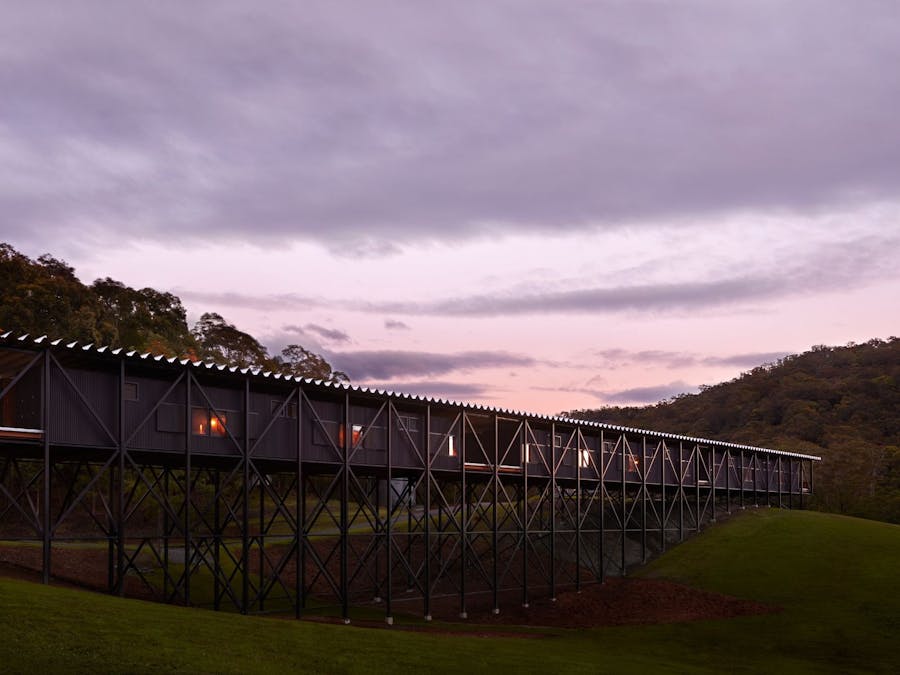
[[536, 205]]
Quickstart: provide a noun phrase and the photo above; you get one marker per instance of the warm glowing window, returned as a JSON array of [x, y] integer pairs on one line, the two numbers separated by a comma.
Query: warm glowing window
[[356, 432], [200, 421], [451, 445], [204, 422], [217, 423], [634, 463]]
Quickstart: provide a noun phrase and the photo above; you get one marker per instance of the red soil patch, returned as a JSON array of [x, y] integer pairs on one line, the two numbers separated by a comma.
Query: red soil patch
[[615, 602], [624, 601], [71, 567]]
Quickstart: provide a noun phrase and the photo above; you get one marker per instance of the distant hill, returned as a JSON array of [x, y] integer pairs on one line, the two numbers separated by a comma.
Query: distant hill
[[842, 403]]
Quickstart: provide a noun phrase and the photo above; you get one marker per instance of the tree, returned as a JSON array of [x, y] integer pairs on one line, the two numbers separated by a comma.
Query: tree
[[145, 319], [44, 297], [301, 362], [220, 341]]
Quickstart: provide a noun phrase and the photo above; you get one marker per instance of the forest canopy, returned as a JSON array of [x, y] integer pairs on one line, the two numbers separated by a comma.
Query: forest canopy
[[45, 297], [842, 403]]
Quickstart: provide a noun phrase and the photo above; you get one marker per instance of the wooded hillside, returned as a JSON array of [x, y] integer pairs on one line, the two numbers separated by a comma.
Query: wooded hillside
[[45, 297], [842, 403]]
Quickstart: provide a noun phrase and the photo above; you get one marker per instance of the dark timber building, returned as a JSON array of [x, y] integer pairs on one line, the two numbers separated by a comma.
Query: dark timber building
[[203, 484]]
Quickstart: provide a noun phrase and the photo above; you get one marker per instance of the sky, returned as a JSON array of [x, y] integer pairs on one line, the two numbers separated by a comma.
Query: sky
[[539, 206]]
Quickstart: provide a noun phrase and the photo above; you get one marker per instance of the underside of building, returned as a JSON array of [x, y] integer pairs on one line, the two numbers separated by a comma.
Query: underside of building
[[202, 484]]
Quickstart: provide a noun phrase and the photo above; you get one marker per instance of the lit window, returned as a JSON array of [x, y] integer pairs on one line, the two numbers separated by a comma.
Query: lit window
[[527, 453], [451, 445], [585, 459], [217, 423], [634, 463], [355, 435], [200, 421], [206, 423]]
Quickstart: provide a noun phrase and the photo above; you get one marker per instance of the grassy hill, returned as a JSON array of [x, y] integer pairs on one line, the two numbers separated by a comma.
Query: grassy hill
[[842, 403], [835, 578]]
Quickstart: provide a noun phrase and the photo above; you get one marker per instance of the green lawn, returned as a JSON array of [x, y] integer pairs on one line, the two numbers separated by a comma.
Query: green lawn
[[837, 579]]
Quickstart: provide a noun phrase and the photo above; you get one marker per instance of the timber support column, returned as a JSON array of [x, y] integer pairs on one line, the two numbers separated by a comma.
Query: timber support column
[[345, 498], [45, 502], [427, 515], [188, 540], [553, 512]]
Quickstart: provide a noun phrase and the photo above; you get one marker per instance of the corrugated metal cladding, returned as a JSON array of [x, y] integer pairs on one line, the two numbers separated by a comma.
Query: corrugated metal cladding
[[84, 406]]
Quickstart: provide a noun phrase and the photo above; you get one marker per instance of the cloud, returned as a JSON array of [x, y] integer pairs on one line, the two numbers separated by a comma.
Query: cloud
[[369, 130], [265, 301], [673, 360], [437, 389], [749, 360], [826, 267], [390, 364], [329, 334], [393, 324], [785, 272], [651, 394]]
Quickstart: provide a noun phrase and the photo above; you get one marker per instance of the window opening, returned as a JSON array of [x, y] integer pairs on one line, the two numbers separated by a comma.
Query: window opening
[[130, 391], [200, 421], [217, 422], [204, 422], [289, 411], [409, 422]]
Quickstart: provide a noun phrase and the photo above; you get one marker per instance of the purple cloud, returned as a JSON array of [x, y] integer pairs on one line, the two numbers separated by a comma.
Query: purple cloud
[[329, 334], [366, 129], [390, 364], [651, 394]]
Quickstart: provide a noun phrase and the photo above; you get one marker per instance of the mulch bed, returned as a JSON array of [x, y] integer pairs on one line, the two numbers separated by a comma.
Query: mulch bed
[[621, 601], [618, 601], [71, 567]]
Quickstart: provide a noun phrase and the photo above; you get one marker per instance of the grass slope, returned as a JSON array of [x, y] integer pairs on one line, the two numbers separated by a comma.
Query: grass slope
[[835, 577]]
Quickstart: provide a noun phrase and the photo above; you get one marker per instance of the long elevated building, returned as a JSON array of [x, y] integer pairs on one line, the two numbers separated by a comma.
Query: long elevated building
[[210, 485]]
